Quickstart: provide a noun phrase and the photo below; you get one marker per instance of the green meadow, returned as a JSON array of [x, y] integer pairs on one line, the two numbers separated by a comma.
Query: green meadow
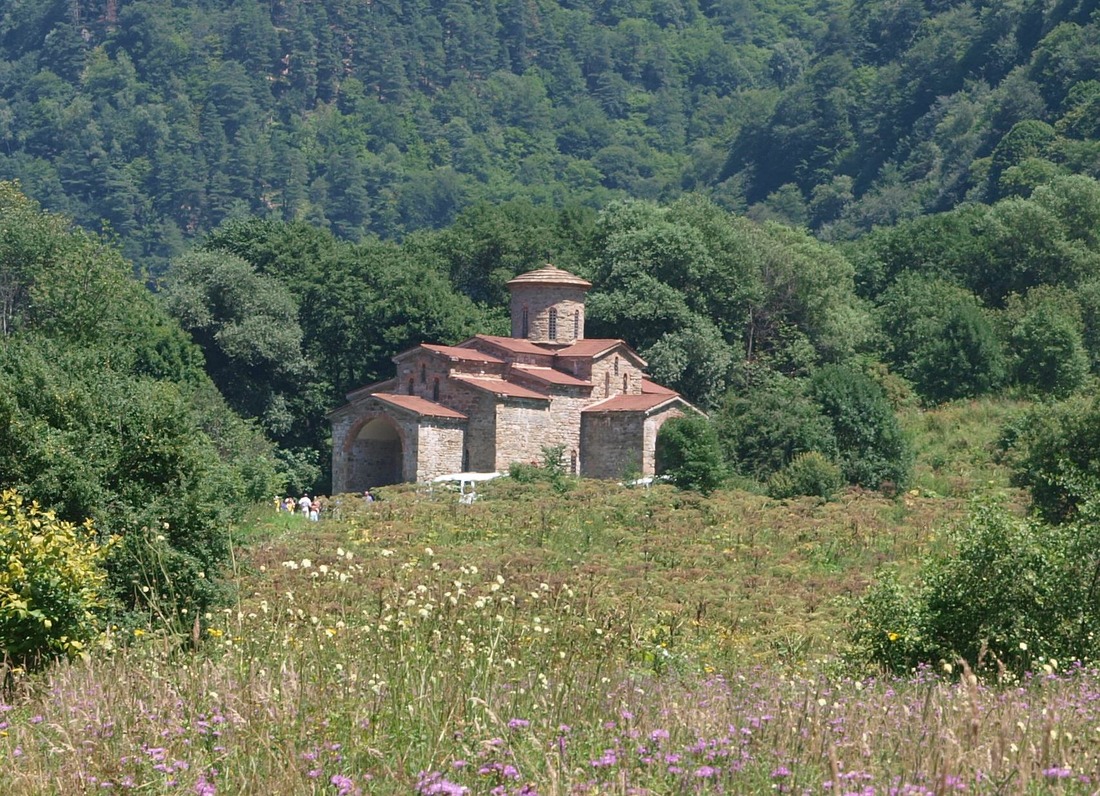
[[593, 638]]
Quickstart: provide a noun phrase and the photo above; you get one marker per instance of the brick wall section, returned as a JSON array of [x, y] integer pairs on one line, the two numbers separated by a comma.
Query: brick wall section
[[581, 367], [440, 448], [607, 377], [481, 428], [521, 431], [611, 443], [539, 299], [519, 358], [437, 367], [563, 425]]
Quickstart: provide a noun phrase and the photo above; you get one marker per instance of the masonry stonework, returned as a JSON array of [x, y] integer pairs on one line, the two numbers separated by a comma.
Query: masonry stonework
[[490, 401]]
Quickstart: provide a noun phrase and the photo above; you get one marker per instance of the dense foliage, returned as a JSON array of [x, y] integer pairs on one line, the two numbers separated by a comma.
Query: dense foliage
[[106, 414], [163, 118], [52, 587], [1015, 594], [688, 454]]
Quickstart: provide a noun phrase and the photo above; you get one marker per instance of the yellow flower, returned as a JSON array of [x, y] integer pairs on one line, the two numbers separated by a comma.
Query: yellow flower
[[893, 636]]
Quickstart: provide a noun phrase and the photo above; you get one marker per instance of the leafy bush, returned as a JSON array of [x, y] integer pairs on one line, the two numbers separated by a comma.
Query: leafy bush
[[1015, 591], [53, 585], [689, 454], [136, 456], [552, 470], [1050, 353], [873, 450], [1053, 453], [810, 473], [940, 338], [762, 427]]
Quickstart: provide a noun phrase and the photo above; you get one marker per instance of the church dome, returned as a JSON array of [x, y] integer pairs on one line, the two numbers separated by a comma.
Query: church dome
[[547, 306], [549, 275]]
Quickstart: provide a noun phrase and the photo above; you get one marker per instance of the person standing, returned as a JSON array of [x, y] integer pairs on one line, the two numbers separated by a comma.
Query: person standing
[[303, 505]]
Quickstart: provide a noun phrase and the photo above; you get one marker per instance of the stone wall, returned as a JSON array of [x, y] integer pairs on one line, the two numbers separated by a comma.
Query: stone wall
[[481, 428], [521, 427], [653, 424], [612, 373], [539, 300], [563, 424], [611, 443], [424, 370], [440, 446]]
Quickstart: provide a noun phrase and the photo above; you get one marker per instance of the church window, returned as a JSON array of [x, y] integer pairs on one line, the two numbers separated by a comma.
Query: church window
[[523, 328], [616, 366], [626, 383], [410, 386], [576, 324], [423, 373], [606, 383], [435, 390], [553, 323]]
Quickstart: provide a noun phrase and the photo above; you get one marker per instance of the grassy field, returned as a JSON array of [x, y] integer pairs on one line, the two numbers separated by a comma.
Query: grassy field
[[602, 640]]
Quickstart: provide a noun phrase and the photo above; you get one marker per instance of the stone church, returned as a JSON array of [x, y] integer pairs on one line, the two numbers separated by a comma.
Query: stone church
[[489, 401]]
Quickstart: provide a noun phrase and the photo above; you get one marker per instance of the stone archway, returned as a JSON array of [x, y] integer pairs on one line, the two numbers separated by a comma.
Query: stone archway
[[375, 455]]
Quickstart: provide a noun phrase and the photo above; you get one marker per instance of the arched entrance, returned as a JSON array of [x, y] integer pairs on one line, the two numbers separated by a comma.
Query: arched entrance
[[376, 455]]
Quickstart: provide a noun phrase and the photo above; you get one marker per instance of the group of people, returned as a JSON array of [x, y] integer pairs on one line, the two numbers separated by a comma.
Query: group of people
[[305, 506]]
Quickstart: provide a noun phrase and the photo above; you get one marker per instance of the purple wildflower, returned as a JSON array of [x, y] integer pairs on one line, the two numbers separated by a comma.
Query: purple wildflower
[[344, 786]]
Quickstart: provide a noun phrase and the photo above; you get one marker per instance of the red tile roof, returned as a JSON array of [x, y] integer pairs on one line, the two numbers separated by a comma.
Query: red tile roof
[[550, 376], [501, 387], [462, 354], [589, 347], [514, 344], [632, 403], [652, 387], [421, 406], [378, 386]]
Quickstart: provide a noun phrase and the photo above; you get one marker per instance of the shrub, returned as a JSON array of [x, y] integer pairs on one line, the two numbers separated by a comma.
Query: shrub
[[810, 473], [1015, 591], [689, 454], [52, 587], [940, 338], [1053, 449], [764, 426], [1050, 353], [873, 450]]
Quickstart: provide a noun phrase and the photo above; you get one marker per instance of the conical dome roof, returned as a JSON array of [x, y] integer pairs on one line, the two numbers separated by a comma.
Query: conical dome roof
[[549, 275]]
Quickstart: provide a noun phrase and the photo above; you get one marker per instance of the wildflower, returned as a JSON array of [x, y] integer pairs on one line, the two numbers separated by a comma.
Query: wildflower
[[518, 724], [780, 772], [343, 785]]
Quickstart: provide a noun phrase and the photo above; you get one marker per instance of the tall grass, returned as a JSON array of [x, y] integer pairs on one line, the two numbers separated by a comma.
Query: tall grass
[[642, 641], [604, 640]]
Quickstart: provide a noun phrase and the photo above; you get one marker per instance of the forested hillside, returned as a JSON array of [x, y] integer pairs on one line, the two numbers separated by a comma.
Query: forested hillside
[[161, 118]]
